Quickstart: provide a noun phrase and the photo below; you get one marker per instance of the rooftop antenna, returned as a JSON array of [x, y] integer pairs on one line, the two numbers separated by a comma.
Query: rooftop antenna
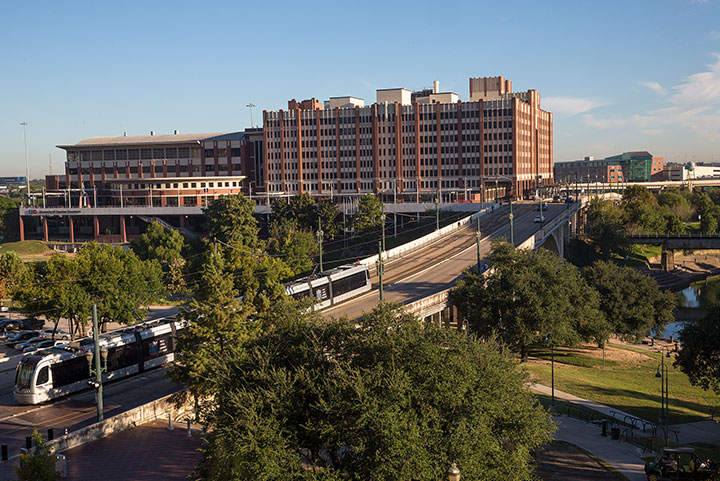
[[251, 105], [50, 163]]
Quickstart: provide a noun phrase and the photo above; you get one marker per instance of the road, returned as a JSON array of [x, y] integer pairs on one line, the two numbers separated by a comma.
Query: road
[[76, 411], [437, 267]]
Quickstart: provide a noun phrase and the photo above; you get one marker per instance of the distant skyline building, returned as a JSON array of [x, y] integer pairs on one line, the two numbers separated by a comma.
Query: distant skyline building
[[637, 166], [417, 143]]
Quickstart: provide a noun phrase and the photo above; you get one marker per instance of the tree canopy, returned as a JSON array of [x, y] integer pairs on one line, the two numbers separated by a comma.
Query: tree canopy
[[606, 228], [389, 398], [368, 218], [632, 302], [528, 296], [699, 357], [163, 245], [231, 219], [9, 224], [39, 464]]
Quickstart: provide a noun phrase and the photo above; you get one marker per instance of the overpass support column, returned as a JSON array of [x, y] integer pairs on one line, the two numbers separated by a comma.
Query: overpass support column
[[21, 225], [71, 225], [45, 228], [667, 258], [96, 227]]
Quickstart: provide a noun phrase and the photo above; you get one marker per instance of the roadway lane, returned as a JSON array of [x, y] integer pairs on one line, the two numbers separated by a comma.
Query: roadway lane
[[438, 266], [78, 410]]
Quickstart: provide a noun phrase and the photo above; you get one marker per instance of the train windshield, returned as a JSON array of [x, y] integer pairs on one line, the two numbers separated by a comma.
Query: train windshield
[[24, 375]]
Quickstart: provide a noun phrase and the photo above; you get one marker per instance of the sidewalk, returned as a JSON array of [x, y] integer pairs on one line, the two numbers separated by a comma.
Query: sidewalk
[[622, 456]]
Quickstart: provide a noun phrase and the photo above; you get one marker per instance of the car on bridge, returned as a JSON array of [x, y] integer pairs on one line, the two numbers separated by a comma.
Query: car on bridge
[[539, 218]]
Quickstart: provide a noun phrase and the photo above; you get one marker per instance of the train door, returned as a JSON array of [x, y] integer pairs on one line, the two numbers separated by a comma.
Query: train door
[[43, 383]]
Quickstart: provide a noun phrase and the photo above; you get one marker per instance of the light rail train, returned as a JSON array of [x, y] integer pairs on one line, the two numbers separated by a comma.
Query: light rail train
[[332, 286], [61, 370]]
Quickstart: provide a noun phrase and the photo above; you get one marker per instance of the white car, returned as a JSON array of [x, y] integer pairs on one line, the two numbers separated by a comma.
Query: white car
[[59, 334], [29, 342], [42, 345], [539, 218]]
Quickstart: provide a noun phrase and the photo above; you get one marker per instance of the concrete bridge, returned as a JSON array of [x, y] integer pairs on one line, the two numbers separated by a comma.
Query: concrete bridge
[[672, 242]]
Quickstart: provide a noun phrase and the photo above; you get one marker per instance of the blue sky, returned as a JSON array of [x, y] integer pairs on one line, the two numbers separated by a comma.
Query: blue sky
[[618, 75]]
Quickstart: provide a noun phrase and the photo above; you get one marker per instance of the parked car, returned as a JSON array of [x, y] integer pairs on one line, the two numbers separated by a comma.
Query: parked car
[[681, 463], [59, 334], [42, 345], [570, 199], [544, 206], [22, 336], [539, 218], [21, 324], [33, 340]]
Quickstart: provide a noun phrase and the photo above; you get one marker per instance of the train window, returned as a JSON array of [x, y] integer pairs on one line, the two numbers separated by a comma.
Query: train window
[[24, 374], [122, 356], [70, 371], [347, 284], [43, 376]]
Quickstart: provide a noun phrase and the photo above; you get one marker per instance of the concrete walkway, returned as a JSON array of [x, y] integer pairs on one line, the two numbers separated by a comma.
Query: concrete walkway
[[622, 456], [595, 406]]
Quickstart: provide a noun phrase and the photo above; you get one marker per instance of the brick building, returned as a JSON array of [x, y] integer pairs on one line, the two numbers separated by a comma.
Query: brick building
[[417, 143], [638, 166]]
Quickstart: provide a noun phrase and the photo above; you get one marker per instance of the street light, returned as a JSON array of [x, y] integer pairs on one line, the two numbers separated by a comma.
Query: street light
[[511, 216], [99, 368], [453, 473], [251, 105], [663, 374], [552, 370], [27, 165]]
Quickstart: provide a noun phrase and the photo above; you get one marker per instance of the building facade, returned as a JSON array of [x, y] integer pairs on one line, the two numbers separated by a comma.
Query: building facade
[[411, 143], [639, 166]]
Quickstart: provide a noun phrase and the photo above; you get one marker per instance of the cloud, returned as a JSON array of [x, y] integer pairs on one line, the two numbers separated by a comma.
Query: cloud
[[699, 2], [694, 104], [714, 35], [655, 87], [570, 105]]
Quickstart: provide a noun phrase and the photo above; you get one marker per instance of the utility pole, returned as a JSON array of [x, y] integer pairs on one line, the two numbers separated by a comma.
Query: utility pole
[[98, 369], [437, 212], [382, 226], [320, 241], [380, 268], [395, 207], [27, 164]]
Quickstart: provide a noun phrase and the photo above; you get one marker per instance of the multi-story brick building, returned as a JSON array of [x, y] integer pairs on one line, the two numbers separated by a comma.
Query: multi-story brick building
[[419, 144]]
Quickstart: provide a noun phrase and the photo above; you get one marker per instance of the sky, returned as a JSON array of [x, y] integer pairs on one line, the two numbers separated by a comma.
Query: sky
[[617, 75]]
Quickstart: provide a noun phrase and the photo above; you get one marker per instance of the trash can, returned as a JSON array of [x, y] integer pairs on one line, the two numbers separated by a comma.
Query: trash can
[[61, 465], [604, 427], [615, 433]]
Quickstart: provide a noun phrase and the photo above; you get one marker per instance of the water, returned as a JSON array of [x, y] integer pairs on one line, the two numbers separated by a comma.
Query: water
[[699, 297]]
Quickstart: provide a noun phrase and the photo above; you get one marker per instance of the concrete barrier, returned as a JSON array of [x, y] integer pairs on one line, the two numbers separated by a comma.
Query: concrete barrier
[[158, 409], [411, 246]]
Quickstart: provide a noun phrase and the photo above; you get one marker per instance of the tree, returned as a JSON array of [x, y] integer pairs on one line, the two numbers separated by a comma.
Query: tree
[[368, 218], [9, 215], [708, 223], [38, 464], [699, 357], [638, 194], [217, 321], [300, 210], [632, 302], [674, 224], [390, 398], [119, 282], [297, 247], [230, 219], [606, 228], [331, 218], [527, 296], [14, 273], [163, 245]]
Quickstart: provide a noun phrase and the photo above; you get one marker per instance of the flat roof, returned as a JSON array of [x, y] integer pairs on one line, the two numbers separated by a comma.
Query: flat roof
[[154, 139]]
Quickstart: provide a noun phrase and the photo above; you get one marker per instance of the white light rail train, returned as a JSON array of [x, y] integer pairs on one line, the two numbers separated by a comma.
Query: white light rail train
[[332, 286], [61, 370]]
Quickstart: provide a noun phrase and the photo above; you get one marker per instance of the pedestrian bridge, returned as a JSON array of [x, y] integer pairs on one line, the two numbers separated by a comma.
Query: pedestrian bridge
[[672, 242]]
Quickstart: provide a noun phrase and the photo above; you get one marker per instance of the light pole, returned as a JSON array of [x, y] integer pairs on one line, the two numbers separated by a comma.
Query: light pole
[[479, 235], [27, 164], [380, 268], [251, 105], [98, 369], [662, 374], [437, 212], [320, 241], [550, 341]]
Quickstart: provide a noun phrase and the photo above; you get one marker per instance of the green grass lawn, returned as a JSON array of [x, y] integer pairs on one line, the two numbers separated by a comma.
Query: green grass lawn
[[630, 386], [26, 248]]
